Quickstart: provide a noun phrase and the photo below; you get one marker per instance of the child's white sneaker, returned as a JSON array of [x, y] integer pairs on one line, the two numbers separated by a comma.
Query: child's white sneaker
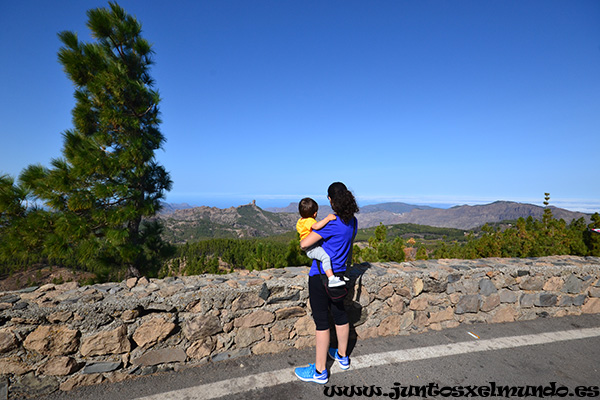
[[334, 281]]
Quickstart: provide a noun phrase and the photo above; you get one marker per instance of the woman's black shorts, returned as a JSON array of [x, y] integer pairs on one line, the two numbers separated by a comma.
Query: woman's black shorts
[[321, 304]]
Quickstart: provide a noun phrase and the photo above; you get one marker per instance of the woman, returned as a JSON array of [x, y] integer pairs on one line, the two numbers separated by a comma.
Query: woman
[[337, 238]]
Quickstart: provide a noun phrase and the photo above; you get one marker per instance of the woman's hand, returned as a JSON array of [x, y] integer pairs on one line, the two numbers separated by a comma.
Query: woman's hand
[[310, 240]]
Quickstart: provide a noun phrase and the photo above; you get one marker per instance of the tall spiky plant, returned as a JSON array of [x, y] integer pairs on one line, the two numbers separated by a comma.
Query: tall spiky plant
[[108, 179]]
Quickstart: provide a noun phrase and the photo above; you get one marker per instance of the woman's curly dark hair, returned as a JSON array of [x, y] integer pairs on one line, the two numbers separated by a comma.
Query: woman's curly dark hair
[[342, 201]]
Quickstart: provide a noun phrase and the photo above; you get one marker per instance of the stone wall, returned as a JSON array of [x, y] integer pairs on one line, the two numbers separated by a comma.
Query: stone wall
[[56, 337]]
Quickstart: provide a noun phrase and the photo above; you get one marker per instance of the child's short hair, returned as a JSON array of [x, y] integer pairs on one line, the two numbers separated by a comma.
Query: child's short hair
[[307, 207]]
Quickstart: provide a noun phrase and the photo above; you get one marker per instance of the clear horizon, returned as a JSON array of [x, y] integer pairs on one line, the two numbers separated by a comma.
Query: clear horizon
[[422, 102]]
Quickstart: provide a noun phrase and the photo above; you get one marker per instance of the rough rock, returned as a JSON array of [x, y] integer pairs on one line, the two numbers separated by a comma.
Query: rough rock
[[289, 312], [256, 318], [592, 306], [53, 340], [8, 341], [153, 331], [59, 366], [201, 348], [114, 341], [161, 356], [486, 287], [201, 326], [468, 304], [100, 367]]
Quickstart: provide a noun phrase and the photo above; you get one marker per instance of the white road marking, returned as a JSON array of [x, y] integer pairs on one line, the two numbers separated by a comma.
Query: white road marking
[[274, 378]]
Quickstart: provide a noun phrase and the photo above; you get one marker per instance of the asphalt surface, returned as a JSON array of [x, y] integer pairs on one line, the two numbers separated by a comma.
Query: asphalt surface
[[516, 356]]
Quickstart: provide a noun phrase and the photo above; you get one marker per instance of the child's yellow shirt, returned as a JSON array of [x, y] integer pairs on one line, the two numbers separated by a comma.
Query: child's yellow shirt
[[303, 226]]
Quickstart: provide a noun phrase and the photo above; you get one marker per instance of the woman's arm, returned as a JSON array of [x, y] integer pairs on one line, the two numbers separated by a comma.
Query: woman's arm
[[310, 240]]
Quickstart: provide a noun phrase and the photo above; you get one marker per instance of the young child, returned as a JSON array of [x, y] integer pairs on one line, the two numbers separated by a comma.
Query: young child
[[308, 211]]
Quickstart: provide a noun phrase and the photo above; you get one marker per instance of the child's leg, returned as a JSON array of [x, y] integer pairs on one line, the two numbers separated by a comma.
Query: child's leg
[[317, 253]]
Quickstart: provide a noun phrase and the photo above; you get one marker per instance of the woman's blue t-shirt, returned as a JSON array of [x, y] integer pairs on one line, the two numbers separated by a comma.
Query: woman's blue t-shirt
[[337, 242]]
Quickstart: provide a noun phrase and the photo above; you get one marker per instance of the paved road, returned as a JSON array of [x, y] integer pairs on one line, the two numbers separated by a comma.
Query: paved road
[[529, 353]]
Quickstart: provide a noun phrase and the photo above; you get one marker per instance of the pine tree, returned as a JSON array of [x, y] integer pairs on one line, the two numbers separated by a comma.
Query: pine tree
[[108, 180]]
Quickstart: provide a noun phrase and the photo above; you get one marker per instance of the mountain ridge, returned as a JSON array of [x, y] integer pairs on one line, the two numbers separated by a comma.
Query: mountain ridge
[[251, 221]]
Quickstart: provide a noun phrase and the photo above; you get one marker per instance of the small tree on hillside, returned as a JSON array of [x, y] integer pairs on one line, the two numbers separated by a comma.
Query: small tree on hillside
[[108, 179]]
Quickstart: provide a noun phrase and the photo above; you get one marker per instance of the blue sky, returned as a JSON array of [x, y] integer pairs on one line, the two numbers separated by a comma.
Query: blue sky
[[425, 102]]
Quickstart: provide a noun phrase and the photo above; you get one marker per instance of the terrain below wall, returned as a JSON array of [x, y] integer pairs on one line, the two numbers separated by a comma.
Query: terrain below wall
[[56, 337]]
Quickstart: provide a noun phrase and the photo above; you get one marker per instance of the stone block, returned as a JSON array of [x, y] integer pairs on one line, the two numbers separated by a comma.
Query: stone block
[[8, 341], [255, 318], [545, 300], [486, 287], [403, 291], [572, 285], [527, 300], [417, 286], [14, 365], [60, 316], [100, 367], [244, 337], [108, 342], [152, 332], [594, 291], [131, 282], [246, 301], [201, 326], [389, 326], [385, 293], [201, 348], [579, 300], [53, 340], [468, 304], [454, 298], [280, 331], [439, 316], [59, 366], [160, 356], [130, 315], [565, 301], [504, 314], [434, 286], [591, 306], [553, 284], [507, 296], [490, 302], [534, 283], [419, 303], [396, 303], [469, 286], [289, 312], [407, 320], [305, 326]]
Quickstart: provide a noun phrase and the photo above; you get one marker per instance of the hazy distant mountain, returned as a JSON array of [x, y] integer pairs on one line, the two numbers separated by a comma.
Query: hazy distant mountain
[[251, 221], [234, 222], [468, 217], [460, 217]]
